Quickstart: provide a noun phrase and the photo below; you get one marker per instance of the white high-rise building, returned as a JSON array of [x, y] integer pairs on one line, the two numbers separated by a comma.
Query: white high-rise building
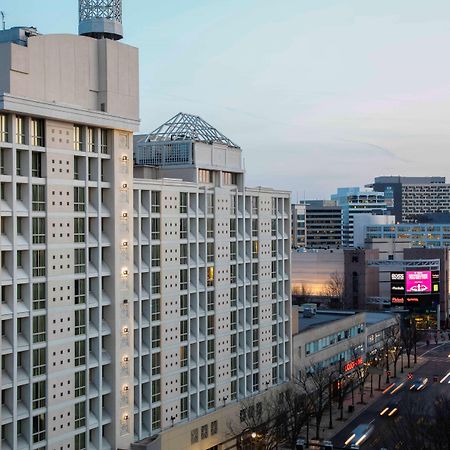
[[137, 306], [212, 284]]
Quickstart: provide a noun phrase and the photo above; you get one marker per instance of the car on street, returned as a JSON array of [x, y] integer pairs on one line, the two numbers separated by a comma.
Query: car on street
[[359, 435], [419, 384], [389, 410]]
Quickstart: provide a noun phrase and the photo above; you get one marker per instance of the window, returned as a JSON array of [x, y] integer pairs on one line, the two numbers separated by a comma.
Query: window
[[36, 164], [156, 418], [80, 441], [80, 292], [210, 276], [183, 356], [233, 274], [183, 254], [2, 159], [156, 282], [211, 402], [254, 205], [156, 201], [3, 128], [39, 301], [79, 230], [156, 363], [155, 229], [211, 374], [39, 329], [80, 384], [156, 336], [77, 138], [20, 130], [229, 178], [80, 322], [19, 259], [211, 348], [210, 228], [80, 415], [37, 132], [232, 228], [156, 391], [255, 227], [156, 255], [205, 176], [183, 228], [211, 325], [183, 382], [80, 353], [233, 390], [38, 224], [79, 199], [210, 252], [233, 320], [233, 251], [39, 395], [183, 202], [184, 408], [210, 300], [90, 140], [39, 361], [210, 203], [183, 279], [38, 428], [233, 297], [156, 309], [255, 246], [255, 271], [80, 260], [183, 330], [104, 141], [233, 345], [183, 305], [38, 197]]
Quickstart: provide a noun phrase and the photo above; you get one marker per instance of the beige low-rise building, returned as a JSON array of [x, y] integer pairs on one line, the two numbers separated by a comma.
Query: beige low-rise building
[[337, 339]]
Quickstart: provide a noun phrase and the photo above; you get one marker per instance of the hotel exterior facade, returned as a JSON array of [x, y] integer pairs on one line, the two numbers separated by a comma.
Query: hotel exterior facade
[[138, 303]]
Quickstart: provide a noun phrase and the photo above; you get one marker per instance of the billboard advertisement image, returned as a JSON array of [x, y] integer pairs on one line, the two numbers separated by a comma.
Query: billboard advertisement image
[[415, 288], [418, 282]]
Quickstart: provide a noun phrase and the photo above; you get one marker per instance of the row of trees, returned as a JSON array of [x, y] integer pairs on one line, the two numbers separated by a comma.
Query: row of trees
[[311, 398]]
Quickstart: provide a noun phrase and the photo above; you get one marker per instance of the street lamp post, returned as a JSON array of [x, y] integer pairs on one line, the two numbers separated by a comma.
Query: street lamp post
[[330, 425], [371, 384], [402, 367], [387, 367]]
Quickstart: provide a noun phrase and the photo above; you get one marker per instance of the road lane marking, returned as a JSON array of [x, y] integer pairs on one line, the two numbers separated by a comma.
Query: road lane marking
[[445, 377]]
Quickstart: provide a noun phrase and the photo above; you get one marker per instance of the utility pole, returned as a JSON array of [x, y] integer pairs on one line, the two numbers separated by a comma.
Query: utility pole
[[3, 20]]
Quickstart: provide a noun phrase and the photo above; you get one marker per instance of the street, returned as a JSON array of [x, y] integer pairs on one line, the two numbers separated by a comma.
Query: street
[[437, 364]]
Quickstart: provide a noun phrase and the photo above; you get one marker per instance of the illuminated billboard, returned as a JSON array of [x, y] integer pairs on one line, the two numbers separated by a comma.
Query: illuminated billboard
[[418, 282], [415, 288]]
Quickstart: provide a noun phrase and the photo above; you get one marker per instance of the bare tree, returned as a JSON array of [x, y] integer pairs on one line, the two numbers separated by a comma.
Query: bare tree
[[292, 410], [409, 337], [335, 287], [314, 382]]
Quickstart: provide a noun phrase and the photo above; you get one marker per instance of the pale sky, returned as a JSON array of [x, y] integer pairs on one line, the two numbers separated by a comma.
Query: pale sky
[[318, 93]]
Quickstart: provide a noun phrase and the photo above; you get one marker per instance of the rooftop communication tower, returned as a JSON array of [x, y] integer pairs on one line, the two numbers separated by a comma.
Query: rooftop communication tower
[[101, 19]]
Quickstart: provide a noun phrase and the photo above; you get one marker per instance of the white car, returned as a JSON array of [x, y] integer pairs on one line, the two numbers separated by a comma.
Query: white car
[[359, 435]]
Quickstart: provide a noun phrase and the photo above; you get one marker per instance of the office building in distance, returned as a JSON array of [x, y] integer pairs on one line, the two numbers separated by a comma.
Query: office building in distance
[[354, 201], [414, 196], [316, 224]]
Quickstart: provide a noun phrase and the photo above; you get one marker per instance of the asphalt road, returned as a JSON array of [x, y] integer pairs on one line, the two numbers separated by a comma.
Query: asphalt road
[[437, 364]]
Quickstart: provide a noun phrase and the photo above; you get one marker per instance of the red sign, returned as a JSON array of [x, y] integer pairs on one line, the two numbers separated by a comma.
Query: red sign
[[352, 364]]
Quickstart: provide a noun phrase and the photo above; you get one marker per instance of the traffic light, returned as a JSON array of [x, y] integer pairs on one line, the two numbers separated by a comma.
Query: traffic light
[[410, 376]]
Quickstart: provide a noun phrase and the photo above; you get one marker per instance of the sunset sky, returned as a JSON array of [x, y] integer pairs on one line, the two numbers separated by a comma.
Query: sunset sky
[[318, 93]]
